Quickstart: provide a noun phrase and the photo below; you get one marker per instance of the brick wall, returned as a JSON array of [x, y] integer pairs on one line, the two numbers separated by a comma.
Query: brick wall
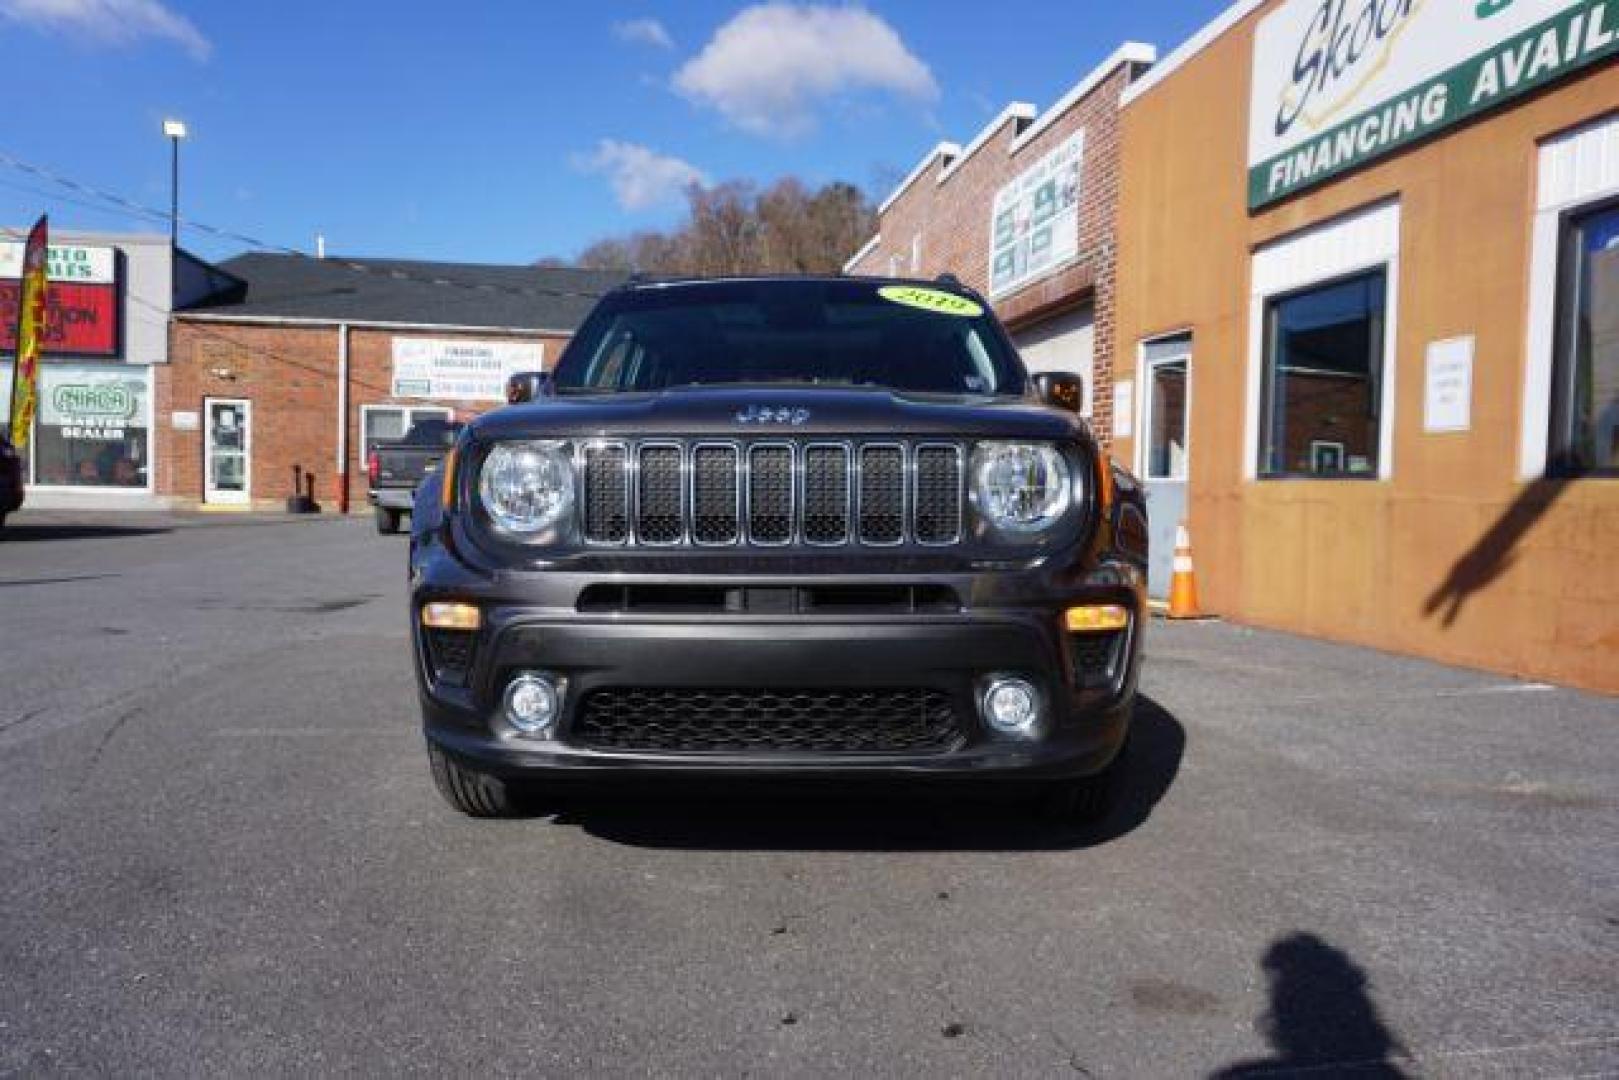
[[289, 373], [953, 220]]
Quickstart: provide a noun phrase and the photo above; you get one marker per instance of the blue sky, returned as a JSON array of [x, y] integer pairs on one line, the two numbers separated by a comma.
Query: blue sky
[[502, 132]]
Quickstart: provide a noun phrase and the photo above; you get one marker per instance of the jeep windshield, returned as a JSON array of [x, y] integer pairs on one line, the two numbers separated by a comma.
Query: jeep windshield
[[906, 337]]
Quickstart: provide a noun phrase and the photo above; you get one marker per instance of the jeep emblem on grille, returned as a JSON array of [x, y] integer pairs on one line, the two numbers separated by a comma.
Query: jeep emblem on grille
[[764, 414]]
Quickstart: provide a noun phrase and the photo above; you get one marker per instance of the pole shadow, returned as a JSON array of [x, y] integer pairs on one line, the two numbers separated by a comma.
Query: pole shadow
[[873, 816], [1496, 551], [1322, 1019]]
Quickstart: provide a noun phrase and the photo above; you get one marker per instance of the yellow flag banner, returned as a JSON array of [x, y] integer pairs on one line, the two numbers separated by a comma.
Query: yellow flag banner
[[30, 333]]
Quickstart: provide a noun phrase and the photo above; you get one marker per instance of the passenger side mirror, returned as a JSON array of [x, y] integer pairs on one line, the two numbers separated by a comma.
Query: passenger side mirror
[[1063, 389], [527, 385]]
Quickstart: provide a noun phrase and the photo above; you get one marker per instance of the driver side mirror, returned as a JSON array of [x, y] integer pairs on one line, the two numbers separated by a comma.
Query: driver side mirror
[[527, 385], [1063, 389]]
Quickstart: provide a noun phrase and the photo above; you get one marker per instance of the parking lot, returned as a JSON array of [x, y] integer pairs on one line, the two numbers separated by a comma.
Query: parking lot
[[223, 853]]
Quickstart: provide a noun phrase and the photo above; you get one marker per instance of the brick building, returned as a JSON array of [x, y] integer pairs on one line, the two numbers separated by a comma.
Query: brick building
[[1024, 213], [282, 377]]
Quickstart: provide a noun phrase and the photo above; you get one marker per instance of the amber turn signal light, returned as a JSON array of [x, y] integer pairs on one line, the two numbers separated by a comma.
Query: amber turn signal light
[[442, 615], [1096, 618], [446, 491]]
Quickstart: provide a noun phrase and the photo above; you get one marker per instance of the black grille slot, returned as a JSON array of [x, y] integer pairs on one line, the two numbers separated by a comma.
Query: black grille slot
[[607, 494], [449, 653], [882, 494], [705, 721], [714, 488], [938, 494], [1095, 657], [826, 494], [660, 515], [770, 494]]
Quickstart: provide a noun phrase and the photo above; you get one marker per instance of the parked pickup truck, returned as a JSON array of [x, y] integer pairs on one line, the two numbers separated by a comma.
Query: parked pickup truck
[[781, 528], [395, 469]]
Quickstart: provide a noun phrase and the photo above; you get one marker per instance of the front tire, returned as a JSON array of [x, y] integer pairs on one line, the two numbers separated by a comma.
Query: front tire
[[1088, 800], [387, 521], [476, 794]]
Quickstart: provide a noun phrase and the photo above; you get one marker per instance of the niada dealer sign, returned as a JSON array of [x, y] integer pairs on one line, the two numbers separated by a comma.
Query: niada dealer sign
[[1338, 83]]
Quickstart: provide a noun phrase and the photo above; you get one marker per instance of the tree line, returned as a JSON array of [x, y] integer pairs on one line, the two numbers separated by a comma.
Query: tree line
[[736, 228]]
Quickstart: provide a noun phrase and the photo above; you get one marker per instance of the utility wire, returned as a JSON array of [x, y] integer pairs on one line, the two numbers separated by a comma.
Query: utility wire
[[395, 273]]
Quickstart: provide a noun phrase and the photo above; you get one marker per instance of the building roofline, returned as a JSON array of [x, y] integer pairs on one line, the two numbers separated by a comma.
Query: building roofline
[[1018, 110], [1183, 53], [314, 322], [944, 149], [865, 249], [1131, 52]]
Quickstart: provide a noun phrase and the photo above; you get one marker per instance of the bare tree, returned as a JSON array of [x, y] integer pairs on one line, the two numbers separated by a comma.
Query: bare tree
[[733, 228]]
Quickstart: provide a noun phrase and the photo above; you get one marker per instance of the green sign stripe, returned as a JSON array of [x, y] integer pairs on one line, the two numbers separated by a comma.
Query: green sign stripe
[[1574, 39]]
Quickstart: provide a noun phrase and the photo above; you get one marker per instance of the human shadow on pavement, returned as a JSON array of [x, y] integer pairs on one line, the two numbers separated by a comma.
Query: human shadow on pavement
[[1322, 1019], [868, 817]]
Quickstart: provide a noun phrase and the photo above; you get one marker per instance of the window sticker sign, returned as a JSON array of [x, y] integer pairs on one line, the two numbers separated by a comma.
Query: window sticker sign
[[1338, 83], [1034, 220], [460, 369]]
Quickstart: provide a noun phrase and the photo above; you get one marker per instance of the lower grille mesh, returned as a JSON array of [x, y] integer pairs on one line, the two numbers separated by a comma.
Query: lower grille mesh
[[683, 720]]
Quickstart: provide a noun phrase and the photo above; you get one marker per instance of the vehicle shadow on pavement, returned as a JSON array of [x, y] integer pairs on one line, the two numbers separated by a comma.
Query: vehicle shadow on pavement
[[22, 533], [1321, 1019], [840, 818]]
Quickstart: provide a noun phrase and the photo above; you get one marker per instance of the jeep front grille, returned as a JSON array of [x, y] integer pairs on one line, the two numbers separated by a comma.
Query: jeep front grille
[[771, 493]]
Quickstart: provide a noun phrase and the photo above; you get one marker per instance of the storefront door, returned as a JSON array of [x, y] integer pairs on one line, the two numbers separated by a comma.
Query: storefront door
[[227, 451], [1165, 405]]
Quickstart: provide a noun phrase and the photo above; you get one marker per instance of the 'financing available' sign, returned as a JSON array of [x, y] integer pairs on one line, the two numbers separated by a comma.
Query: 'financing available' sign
[[458, 369], [1338, 83]]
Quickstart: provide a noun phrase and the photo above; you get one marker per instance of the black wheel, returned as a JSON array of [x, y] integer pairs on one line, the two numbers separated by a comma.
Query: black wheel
[[387, 521], [1088, 800], [474, 793]]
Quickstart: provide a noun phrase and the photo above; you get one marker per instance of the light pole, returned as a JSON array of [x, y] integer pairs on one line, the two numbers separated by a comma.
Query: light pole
[[174, 130]]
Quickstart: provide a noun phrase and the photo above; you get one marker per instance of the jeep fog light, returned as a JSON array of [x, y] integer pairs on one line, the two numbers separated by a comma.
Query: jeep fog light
[[532, 703], [1012, 707]]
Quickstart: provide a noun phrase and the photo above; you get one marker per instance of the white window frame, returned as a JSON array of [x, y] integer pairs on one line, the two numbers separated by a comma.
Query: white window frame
[[1144, 368], [1359, 242], [108, 490], [410, 412], [1576, 169]]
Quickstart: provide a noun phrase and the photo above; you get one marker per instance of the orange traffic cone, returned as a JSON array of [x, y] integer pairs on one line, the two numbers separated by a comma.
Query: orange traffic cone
[[1183, 584]]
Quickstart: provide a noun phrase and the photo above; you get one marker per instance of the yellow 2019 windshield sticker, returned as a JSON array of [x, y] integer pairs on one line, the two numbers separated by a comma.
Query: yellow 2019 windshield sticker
[[934, 300]]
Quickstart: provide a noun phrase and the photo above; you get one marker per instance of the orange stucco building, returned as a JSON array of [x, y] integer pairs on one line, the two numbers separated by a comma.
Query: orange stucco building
[[1368, 323]]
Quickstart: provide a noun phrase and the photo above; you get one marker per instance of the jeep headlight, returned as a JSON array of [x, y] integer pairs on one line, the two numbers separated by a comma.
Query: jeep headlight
[[527, 487], [1021, 488]]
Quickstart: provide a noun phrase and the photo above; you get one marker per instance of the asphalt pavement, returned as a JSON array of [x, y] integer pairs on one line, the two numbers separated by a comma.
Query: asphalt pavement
[[221, 853]]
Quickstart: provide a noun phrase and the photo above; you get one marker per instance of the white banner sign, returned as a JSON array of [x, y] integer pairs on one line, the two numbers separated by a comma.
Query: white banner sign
[[1339, 82], [67, 263], [458, 369], [1034, 221]]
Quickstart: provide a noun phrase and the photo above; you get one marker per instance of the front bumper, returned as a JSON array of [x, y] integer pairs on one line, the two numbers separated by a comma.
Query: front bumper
[[530, 623]]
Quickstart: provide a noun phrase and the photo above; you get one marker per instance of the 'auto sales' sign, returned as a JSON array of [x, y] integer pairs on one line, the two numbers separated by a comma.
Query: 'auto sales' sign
[[1338, 83], [82, 311]]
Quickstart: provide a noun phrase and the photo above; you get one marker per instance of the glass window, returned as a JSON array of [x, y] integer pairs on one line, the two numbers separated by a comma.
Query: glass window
[[1585, 394], [1168, 363], [91, 430], [386, 423], [1323, 380]]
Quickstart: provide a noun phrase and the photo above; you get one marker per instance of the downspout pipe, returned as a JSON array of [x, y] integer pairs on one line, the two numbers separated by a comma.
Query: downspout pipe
[[342, 473]]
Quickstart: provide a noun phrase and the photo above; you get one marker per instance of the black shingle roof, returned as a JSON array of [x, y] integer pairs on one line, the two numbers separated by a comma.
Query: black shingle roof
[[404, 291]]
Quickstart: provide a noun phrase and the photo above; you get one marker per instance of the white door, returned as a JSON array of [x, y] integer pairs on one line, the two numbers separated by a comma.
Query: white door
[[227, 454], [1166, 397]]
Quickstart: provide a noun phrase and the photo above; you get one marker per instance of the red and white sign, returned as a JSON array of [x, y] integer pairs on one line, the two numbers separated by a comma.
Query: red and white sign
[[83, 315]]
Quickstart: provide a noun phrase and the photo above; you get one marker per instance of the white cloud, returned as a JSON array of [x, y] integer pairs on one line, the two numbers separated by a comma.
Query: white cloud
[[109, 22], [770, 67], [644, 32], [641, 177]]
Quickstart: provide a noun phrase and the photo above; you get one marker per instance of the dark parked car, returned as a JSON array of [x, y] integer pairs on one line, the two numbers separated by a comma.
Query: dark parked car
[[11, 491], [395, 469], [780, 528]]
